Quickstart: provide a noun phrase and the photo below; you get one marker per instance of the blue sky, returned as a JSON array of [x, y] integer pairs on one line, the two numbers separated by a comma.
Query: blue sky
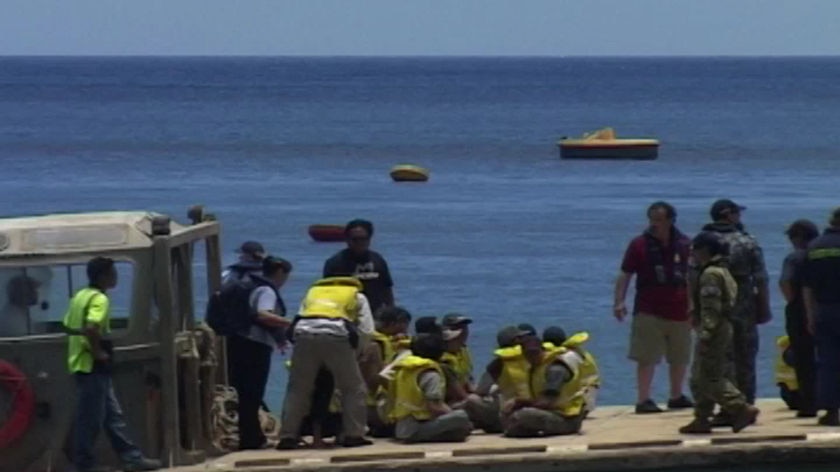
[[428, 27]]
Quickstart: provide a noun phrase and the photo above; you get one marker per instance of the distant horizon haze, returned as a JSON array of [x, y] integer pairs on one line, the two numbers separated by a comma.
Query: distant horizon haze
[[434, 28]]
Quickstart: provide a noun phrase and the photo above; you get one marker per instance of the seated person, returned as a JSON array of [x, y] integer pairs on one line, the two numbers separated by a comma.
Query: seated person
[[391, 327], [416, 396], [554, 375], [555, 336]]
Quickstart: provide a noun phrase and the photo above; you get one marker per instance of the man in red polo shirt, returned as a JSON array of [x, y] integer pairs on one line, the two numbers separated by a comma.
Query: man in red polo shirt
[[661, 326]]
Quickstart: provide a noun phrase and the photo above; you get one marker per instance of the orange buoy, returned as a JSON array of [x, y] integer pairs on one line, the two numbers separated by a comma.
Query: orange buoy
[[327, 233], [409, 173]]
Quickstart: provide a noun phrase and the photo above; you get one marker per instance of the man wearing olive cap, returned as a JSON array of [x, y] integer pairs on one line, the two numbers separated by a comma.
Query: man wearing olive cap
[[746, 264]]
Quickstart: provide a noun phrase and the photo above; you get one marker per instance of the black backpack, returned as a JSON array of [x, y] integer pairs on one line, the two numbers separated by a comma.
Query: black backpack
[[229, 309]]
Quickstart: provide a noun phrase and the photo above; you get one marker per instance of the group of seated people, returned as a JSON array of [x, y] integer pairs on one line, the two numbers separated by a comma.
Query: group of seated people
[[421, 387]]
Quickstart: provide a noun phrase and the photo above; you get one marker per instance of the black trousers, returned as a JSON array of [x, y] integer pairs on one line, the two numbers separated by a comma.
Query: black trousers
[[249, 363], [804, 353]]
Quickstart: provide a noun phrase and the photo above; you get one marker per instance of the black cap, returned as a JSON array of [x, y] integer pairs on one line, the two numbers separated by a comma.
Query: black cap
[[252, 248], [455, 320], [554, 335], [802, 227], [506, 337], [528, 328], [724, 207]]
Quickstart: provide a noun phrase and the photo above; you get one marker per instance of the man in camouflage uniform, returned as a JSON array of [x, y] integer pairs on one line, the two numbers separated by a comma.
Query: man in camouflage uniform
[[715, 295], [752, 306]]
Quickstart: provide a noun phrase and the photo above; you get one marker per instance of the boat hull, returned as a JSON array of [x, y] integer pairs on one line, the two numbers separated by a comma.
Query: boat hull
[[632, 149], [326, 233], [408, 173]]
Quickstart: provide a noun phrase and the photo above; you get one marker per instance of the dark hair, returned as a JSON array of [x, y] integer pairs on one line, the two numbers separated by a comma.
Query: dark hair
[[804, 229], [711, 242], [98, 267], [393, 315], [835, 217], [670, 211], [358, 223], [426, 325], [554, 335], [428, 345], [271, 264]]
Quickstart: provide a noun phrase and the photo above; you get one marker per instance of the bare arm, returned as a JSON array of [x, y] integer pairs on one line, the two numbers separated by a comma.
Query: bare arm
[[268, 318], [94, 337], [622, 282]]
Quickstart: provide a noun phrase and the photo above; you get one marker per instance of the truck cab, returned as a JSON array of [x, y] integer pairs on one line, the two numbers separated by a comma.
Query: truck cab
[[166, 363]]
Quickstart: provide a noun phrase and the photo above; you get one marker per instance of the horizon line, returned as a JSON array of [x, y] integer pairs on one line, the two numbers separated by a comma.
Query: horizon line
[[432, 56]]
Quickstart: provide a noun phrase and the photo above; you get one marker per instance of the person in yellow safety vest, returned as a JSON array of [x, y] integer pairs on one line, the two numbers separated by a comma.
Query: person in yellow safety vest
[[416, 397], [785, 373], [553, 402], [488, 393], [333, 321], [555, 336], [391, 326], [457, 360]]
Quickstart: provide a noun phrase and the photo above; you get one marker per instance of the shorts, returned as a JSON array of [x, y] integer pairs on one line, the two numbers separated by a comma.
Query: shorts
[[652, 337]]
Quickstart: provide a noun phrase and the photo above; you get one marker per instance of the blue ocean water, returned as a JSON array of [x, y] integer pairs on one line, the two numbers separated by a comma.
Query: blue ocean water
[[504, 231]]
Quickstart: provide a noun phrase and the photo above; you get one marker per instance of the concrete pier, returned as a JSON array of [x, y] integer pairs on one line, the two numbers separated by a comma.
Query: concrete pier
[[613, 439]]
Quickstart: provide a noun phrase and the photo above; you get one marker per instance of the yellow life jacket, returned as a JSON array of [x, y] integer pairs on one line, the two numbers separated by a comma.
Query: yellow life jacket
[[785, 374], [406, 397], [388, 354], [571, 400], [333, 297], [513, 382], [589, 372], [401, 343], [335, 401], [460, 363]]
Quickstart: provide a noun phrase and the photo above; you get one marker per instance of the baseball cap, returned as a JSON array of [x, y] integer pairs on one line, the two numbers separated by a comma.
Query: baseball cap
[[723, 207], [528, 328], [252, 248], [454, 320], [554, 335], [803, 227], [506, 337]]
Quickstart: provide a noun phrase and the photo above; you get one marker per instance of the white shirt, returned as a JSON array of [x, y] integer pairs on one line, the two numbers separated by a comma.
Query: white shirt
[[323, 326]]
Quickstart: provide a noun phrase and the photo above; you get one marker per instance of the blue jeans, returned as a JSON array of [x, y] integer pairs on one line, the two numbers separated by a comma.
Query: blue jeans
[[827, 340], [97, 408]]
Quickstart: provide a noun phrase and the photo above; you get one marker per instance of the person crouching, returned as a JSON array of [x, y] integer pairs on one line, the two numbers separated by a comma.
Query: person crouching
[[417, 397]]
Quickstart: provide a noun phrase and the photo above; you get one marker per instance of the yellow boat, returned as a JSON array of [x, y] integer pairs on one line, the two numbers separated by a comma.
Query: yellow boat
[[603, 144], [409, 173]]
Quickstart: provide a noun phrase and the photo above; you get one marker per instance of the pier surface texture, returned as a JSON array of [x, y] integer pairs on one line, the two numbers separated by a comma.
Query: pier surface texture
[[612, 439]]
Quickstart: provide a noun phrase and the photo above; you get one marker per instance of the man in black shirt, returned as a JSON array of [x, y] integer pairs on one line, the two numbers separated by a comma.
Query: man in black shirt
[[821, 294], [366, 265]]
